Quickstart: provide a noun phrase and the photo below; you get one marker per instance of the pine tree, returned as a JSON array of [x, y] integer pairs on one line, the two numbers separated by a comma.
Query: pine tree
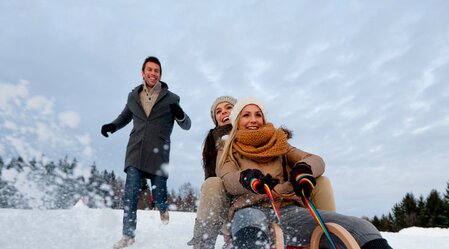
[[435, 210], [15, 198], [406, 212], [187, 198], [446, 206], [421, 220], [117, 187], [67, 185], [6, 191]]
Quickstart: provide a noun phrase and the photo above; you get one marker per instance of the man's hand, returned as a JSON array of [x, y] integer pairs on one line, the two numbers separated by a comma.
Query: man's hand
[[108, 128], [177, 111]]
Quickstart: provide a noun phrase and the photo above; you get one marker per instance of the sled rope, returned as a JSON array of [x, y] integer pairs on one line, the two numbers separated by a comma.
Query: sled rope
[[316, 215], [270, 196]]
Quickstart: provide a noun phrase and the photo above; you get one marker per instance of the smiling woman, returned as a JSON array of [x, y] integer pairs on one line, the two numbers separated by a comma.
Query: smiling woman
[[258, 167]]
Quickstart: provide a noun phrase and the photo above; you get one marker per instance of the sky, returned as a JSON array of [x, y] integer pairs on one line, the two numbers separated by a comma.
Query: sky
[[80, 228], [362, 84]]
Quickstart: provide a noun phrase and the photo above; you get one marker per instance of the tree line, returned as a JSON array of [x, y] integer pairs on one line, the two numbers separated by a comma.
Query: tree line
[[59, 185], [432, 211], [42, 184]]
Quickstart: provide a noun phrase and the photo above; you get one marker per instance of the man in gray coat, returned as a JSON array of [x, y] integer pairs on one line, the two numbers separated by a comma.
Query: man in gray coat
[[153, 110]]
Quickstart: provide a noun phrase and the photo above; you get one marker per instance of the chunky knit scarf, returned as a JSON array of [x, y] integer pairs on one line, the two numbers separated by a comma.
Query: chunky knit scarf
[[261, 145]]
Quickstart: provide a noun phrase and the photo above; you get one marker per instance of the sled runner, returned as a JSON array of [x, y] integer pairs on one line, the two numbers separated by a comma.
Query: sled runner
[[336, 230], [330, 230]]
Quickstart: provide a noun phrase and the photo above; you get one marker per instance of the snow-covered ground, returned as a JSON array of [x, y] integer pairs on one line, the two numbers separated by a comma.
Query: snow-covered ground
[[84, 228]]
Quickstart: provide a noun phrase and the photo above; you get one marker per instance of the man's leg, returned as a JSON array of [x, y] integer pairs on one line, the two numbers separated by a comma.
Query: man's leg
[[130, 199], [159, 190]]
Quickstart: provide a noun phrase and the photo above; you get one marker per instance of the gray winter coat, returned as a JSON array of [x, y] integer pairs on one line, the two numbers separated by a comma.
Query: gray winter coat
[[149, 141]]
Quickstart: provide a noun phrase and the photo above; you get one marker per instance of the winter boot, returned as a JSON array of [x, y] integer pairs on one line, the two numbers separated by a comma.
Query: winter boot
[[376, 244], [227, 241], [196, 234], [165, 217], [124, 242], [207, 235]]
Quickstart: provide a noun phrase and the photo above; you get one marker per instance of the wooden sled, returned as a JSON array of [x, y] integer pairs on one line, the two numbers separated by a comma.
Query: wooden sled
[[335, 229]]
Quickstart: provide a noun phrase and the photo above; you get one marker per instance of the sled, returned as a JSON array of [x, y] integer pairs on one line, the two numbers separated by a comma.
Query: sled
[[335, 229]]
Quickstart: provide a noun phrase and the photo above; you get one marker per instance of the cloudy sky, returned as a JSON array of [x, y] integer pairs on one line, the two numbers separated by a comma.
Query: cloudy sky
[[364, 85]]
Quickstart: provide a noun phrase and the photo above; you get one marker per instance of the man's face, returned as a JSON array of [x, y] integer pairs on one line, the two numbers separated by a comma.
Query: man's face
[[151, 74]]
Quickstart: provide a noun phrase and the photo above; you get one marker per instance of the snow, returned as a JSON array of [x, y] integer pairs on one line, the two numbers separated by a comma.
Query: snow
[[85, 228]]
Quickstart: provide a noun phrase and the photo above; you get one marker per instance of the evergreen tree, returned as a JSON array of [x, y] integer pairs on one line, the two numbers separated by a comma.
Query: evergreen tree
[[117, 187], [66, 184], [405, 213], [6, 191], [421, 220], [187, 200], [13, 197], [446, 206], [435, 210]]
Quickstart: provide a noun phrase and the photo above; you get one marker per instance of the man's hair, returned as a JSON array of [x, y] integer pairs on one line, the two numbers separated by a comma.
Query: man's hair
[[154, 60]]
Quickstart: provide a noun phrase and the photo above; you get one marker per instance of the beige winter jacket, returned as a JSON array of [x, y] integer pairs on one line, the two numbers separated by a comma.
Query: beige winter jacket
[[230, 173]]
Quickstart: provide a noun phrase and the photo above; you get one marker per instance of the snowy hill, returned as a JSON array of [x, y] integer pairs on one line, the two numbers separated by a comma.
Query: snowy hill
[[83, 228]]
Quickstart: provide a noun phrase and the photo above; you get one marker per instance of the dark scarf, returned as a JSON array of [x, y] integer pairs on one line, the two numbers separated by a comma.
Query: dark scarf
[[210, 149]]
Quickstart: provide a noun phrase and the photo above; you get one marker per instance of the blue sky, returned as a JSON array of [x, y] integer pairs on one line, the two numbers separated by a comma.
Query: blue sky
[[362, 84]]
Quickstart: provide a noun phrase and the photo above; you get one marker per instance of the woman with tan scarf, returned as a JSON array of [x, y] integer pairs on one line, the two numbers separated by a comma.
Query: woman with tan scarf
[[256, 149]]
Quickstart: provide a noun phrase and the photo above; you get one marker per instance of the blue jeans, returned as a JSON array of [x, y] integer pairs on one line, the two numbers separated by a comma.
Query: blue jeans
[[131, 197], [297, 224]]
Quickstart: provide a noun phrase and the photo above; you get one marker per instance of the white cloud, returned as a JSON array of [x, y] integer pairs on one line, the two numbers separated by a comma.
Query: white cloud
[[69, 119], [10, 92], [41, 104], [44, 132], [9, 125], [84, 139]]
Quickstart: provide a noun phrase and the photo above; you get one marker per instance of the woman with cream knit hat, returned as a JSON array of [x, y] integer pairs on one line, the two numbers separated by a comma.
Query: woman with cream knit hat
[[257, 152], [214, 201]]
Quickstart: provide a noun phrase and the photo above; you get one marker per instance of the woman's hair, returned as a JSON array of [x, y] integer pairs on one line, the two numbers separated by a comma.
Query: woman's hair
[[227, 150], [209, 155]]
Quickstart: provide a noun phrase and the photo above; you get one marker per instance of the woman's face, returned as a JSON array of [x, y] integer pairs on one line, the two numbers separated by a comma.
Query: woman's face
[[251, 118], [222, 112]]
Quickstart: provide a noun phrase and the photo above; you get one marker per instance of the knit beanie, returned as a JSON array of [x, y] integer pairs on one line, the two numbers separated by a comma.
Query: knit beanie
[[219, 100], [238, 107]]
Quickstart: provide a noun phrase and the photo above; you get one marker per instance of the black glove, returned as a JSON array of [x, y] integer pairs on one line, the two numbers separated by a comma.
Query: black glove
[[177, 111], [108, 128], [302, 179], [254, 180]]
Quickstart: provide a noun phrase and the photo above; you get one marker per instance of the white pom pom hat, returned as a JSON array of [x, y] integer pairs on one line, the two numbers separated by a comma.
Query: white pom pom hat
[[241, 103]]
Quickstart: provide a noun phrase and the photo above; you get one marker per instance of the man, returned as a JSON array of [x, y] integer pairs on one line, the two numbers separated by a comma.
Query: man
[[153, 110]]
